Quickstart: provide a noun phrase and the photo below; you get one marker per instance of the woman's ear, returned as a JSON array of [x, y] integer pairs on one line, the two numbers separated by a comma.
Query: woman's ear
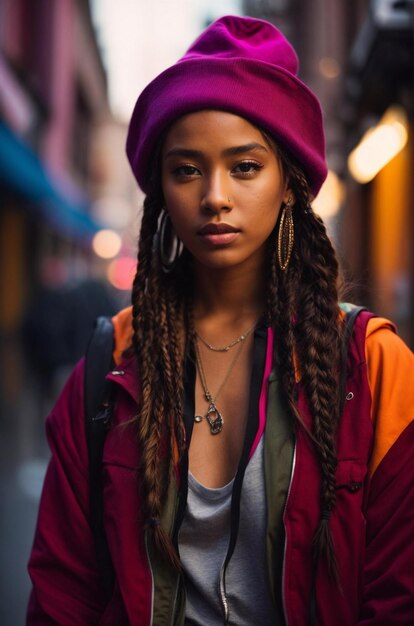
[[289, 196]]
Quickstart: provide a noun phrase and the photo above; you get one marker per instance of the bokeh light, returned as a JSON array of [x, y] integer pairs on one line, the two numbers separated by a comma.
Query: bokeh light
[[121, 272], [106, 244], [379, 145], [329, 67], [328, 201]]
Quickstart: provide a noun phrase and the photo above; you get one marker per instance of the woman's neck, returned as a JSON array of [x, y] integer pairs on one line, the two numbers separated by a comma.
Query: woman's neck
[[231, 295]]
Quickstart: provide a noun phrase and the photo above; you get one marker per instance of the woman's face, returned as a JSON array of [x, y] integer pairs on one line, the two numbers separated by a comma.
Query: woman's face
[[223, 188]]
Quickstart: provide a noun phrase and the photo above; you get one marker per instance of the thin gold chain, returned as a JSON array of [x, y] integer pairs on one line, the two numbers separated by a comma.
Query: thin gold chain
[[229, 345], [202, 373]]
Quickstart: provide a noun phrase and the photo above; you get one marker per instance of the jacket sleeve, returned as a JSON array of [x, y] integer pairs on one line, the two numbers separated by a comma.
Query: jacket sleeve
[[388, 587], [62, 566]]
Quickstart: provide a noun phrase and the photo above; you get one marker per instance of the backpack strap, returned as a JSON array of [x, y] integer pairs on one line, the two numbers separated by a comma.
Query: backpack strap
[[98, 413], [350, 319]]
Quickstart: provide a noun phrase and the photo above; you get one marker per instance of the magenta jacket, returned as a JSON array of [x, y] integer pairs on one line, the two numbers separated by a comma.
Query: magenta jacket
[[372, 525]]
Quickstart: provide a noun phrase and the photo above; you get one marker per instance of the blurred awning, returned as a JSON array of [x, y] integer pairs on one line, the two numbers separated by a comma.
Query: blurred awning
[[22, 171]]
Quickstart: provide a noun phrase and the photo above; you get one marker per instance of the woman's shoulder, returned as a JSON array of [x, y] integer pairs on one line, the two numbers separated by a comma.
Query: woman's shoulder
[[379, 335], [387, 355], [390, 366], [65, 424], [69, 409]]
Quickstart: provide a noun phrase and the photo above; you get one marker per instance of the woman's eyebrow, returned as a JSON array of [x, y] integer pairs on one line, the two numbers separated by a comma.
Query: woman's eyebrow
[[183, 152], [234, 150], [248, 147]]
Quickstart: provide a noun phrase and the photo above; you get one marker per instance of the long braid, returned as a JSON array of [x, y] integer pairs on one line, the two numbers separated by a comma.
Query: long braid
[[281, 307], [158, 347], [308, 321], [318, 346]]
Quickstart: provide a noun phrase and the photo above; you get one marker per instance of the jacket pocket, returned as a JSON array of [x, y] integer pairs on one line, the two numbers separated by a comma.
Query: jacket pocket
[[350, 475]]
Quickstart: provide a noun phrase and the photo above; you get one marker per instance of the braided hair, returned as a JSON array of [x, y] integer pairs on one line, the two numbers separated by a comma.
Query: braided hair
[[159, 328], [302, 303]]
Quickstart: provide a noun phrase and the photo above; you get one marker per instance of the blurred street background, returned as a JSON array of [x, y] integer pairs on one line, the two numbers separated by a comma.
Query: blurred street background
[[70, 71]]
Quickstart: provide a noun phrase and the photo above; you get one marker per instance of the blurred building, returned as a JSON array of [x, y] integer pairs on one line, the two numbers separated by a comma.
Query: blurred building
[[117, 203], [52, 93], [376, 227], [358, 56]]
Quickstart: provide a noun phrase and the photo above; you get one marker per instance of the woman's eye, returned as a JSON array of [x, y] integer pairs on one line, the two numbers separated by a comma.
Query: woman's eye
[[248, 167], [185, 170]]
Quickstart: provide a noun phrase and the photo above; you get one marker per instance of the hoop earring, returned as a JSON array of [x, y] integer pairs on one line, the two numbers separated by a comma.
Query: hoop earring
[[285, 236], [169, 245]]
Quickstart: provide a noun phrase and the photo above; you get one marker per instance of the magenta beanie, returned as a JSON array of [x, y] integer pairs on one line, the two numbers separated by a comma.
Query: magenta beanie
[[240, 65]]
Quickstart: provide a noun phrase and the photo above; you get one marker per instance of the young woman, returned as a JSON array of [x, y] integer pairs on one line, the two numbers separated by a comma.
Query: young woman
[[259, 465]]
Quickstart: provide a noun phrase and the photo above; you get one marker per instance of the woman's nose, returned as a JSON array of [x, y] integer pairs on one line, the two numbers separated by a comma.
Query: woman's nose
[[216, 196]]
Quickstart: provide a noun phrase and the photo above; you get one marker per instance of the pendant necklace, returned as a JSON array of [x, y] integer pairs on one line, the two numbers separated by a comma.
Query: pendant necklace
[[213, 416]]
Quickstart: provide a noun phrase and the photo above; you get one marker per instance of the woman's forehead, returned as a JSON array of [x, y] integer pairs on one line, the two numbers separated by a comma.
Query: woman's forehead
[[213, 126]]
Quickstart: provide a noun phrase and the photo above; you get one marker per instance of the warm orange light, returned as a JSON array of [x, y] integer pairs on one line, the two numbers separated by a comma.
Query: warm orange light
[[379, 145], [121, 272], [328, 201], [106, 244], [329, 67]]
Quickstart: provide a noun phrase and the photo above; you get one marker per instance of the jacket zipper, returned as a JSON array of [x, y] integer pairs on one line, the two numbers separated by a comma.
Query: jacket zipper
[[223, 596], [174, 603], [152, 579], [284, 550]]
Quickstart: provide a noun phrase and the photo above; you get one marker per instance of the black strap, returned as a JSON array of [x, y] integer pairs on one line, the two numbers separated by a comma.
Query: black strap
[[350, 319], [98, 412]]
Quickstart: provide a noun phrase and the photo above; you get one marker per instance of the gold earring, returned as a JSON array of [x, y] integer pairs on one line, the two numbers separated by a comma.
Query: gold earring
[[286, 236]]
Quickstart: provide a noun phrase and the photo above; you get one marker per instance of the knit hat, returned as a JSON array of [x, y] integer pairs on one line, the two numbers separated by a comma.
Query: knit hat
[[243, 66]]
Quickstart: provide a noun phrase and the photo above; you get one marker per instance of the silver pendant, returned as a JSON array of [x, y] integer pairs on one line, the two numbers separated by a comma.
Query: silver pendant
[[215, 423]]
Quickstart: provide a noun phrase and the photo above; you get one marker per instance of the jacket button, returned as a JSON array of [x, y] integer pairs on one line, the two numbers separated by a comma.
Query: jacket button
[[353, 487], [349, 396], [117, 372]]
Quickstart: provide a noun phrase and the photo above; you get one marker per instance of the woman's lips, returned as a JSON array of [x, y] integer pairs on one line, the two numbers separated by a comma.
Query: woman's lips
[[218, 234]]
